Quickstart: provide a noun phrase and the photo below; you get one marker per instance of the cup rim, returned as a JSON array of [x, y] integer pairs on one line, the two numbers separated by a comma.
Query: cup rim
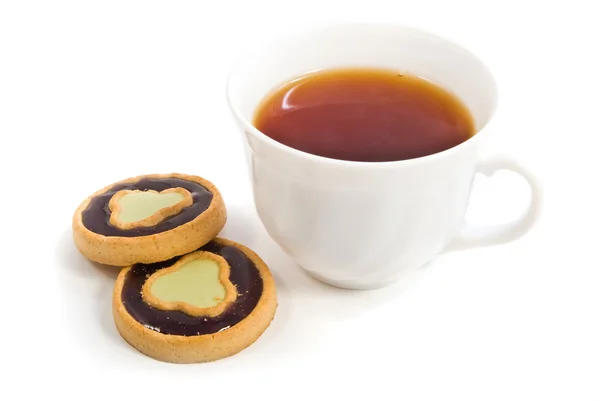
[[256, 133]]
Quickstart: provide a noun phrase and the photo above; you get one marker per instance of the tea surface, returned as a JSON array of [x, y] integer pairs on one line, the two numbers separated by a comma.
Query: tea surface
[[361, 114]]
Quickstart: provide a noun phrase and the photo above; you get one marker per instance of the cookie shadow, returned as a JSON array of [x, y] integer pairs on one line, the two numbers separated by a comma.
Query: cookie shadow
[[87, 290], [306, 309]]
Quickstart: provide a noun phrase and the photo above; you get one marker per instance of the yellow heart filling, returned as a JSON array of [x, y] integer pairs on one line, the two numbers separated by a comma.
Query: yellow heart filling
[[139, 205], [196, 283], [131, 209]]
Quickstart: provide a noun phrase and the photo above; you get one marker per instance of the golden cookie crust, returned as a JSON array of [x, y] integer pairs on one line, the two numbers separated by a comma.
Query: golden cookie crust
[[126, 251], [201, 348]]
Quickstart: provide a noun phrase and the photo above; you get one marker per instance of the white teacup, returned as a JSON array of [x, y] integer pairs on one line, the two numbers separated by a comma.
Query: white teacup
[[360, 225]]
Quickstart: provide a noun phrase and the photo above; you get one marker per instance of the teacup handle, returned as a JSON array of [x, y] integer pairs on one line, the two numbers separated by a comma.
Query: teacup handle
[[477, 236]]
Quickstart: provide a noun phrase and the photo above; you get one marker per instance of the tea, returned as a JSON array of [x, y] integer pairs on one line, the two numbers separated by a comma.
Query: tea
[[363, 114]]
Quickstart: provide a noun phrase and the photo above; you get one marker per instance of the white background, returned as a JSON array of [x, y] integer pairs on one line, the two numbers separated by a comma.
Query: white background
[[95, 92]]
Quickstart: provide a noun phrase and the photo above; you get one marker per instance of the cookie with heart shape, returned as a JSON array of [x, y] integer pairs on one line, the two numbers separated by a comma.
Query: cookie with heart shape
[[207, 305], [147, 219]]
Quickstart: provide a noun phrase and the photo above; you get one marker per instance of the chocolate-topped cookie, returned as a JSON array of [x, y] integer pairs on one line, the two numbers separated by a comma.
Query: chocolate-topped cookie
[[148, 219], [199, 307]]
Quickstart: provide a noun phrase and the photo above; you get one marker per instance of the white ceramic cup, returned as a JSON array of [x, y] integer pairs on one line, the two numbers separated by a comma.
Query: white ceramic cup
[[360, 225]]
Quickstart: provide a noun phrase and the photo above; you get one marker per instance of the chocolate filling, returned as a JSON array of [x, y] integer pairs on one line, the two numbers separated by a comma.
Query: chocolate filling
[[97, 215], [244, 275]]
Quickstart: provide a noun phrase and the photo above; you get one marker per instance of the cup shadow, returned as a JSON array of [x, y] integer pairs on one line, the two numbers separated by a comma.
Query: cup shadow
[[306, 307]]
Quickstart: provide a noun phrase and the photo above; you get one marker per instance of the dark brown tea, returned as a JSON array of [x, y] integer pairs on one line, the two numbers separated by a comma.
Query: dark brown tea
[[372, 115]]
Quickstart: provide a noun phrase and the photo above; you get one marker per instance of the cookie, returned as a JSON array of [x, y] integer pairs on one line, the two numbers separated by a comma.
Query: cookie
[[206, 305], [148, 219]]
